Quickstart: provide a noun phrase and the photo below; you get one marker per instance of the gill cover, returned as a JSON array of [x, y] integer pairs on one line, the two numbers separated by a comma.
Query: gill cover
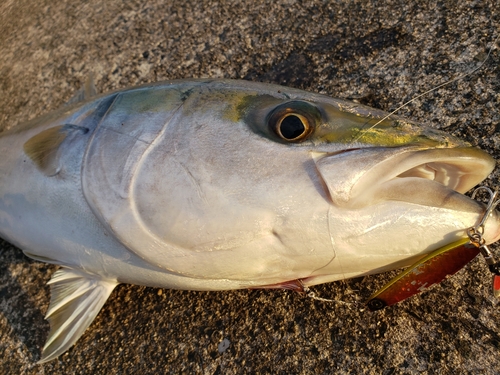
[[119, 149], [149, 176]]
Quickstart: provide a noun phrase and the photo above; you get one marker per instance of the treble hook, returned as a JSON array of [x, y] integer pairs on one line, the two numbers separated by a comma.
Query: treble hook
[[489, 208], [475, 234]]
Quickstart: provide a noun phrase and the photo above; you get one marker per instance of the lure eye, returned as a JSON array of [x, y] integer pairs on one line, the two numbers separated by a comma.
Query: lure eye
[[294, 121]]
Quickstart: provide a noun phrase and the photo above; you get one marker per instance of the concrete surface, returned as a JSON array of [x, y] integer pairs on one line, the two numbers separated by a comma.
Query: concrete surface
[[378, 52]]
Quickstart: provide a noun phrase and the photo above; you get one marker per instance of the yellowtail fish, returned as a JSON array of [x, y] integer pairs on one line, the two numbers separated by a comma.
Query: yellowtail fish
[[220, 184]]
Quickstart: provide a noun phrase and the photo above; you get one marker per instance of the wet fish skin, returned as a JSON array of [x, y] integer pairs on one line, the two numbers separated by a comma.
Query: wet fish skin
[[188, 185]]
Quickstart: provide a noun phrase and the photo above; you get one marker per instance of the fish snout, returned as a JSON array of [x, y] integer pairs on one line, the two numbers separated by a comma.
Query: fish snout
[[491, 231]]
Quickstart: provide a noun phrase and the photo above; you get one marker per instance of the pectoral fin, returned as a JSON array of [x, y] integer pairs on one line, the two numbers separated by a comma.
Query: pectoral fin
[[43, 148], [76, 298]]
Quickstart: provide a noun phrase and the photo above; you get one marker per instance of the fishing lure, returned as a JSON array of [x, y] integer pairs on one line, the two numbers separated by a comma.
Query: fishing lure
[[441, 263]]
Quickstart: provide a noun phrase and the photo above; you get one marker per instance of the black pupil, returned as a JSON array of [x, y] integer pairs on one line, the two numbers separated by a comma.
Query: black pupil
[[292, 127]]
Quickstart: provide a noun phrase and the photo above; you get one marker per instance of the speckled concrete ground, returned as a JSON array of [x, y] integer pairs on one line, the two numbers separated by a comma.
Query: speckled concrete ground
[[381, 53]]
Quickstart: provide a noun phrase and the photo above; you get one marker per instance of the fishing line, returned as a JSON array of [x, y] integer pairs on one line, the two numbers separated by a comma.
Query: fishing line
[[363, 132], [311, 294]]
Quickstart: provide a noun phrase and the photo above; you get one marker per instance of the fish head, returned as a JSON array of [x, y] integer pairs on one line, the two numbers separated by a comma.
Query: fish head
[[395, 188], [261, 184]]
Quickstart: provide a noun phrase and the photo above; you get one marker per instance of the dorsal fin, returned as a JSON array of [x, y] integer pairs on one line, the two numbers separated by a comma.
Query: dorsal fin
[[76, 299], [43, 148], [87, 91]]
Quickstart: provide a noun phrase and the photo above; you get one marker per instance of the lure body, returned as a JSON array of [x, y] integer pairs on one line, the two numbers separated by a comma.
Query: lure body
[[213, 185]]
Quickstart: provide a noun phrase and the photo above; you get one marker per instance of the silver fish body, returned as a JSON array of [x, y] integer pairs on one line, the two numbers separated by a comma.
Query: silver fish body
[[219, 184]]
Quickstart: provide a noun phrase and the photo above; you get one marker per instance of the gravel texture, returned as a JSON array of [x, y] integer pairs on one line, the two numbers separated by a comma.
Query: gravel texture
[[380, 53]]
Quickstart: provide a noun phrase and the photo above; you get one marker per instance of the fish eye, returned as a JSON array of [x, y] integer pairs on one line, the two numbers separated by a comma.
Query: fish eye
[[292, 122], [292, 127]]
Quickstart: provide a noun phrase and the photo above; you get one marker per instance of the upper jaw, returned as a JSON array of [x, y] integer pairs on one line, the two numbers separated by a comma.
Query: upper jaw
[[432, 177]]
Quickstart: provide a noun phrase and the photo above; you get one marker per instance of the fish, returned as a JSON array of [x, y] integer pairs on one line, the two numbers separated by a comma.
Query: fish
[[227, 184]]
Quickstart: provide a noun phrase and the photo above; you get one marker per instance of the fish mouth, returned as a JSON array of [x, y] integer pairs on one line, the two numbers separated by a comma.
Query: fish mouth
[[435, 177]]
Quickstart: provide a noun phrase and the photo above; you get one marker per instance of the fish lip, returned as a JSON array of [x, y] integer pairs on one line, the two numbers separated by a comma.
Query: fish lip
[[458, 169], [360, 177]]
